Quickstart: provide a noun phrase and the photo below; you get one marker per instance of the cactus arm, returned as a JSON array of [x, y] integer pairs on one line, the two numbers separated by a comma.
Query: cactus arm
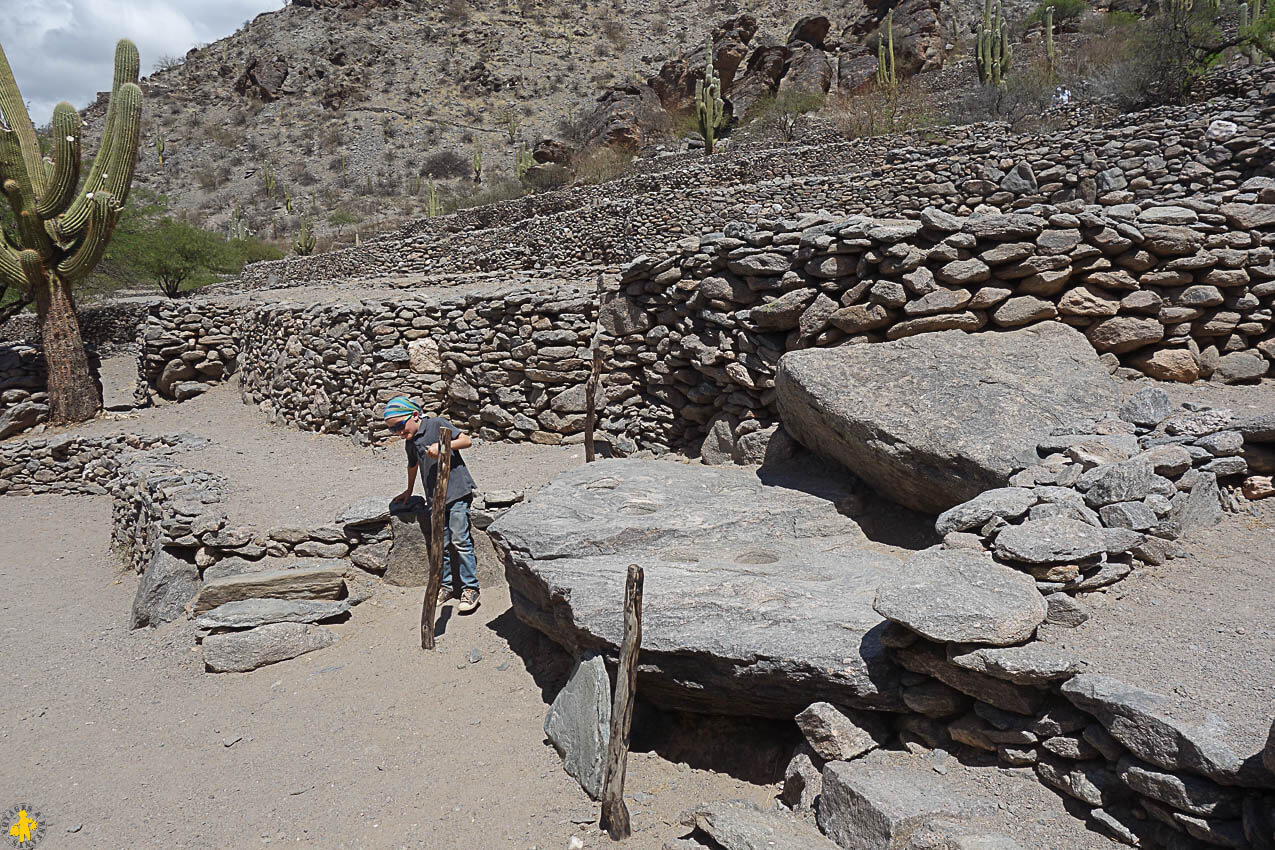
[[11, 270], [33, 270], [64, 177], [14, 111], [118, 147], [103, 214]]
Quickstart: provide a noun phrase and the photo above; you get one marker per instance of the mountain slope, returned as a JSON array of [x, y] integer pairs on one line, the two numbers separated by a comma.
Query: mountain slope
[[338, 110]]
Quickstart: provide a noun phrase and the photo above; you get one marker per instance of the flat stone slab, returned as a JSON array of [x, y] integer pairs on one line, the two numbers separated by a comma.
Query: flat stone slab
[[249, 613], [166, 586], [875, 802], [741, 825], [962, 595], [933, 420], [579, 723], [302, 583], [1166, 732], [758, 599], [238, 652]]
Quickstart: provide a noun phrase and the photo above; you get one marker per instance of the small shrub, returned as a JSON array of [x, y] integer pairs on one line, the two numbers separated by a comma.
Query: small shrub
[[602, 164], [446, 163], [168, 63], [879, 112]]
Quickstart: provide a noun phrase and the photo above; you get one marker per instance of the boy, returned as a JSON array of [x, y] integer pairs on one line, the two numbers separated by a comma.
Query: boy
[[405, 417]]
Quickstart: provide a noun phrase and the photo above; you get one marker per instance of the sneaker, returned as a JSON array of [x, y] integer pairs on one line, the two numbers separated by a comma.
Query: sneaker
[[468, 600], [445, 594]]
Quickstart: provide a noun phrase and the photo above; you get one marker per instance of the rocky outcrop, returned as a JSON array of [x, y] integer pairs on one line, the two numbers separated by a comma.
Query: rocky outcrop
[[758, 599], [932, 421]]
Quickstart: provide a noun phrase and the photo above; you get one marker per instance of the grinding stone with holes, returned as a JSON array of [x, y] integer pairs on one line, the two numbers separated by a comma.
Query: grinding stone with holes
[[758, 599]]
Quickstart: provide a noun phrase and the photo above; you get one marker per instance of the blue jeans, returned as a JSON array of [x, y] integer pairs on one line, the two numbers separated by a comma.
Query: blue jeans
[[458, 538]]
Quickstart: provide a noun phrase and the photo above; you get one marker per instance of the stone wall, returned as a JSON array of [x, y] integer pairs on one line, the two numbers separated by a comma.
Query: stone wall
[[1175, 292], [1162, 154], [504, 362], [23, 400]]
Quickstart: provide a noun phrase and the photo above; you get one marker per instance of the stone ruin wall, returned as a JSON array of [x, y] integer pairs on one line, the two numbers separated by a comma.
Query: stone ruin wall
[[1158, 154], [1167, 291], [504, 363], [694, 333]]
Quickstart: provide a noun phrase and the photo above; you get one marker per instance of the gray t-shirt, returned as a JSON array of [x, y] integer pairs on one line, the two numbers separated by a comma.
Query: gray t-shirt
[[460, 484]]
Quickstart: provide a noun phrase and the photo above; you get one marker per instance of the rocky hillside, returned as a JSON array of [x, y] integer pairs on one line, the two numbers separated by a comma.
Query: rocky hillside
[[339, 110]]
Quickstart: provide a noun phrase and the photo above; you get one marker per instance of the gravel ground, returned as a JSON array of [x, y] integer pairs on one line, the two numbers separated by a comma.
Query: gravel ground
[[121, 739]]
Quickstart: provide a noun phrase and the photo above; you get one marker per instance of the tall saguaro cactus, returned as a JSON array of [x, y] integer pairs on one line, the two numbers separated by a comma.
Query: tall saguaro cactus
[[709, 106], [994, 51], [887, 77], [1051, 49], [62, 231]]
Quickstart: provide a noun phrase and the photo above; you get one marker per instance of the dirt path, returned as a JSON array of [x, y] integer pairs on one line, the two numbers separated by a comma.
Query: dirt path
[[370, 743]]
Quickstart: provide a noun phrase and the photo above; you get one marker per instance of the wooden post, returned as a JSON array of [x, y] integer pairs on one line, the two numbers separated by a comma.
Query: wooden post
[[437, 525], [591, 403], [615, 814]]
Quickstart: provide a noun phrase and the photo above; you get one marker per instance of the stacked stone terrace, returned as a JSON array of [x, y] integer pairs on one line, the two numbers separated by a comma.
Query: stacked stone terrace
[[1157, 154]]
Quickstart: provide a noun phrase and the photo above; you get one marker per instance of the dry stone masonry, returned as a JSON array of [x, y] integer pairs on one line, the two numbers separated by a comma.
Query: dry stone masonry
[[1159, 154]]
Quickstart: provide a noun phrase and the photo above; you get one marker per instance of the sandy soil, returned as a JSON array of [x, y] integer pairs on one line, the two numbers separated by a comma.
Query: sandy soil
[[282, 476], [370, 743]]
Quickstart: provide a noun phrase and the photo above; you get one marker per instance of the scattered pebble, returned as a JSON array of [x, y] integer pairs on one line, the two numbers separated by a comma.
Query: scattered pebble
[[475, 655], [75, 828], [230, 742]]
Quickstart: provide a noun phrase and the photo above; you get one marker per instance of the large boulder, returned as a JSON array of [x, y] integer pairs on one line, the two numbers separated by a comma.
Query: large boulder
[[933, 420], [21, 417], [758, 599], [761, 77], [623, 116]]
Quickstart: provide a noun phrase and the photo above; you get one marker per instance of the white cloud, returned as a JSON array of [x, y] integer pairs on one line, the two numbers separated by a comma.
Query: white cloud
[[63, 49]]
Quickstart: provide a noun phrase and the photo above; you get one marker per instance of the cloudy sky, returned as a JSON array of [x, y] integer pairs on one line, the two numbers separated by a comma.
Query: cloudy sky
[[63, 49]]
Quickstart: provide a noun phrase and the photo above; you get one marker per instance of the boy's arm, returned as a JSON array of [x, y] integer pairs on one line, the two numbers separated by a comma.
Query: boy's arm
[[411, 485], [460, 441]]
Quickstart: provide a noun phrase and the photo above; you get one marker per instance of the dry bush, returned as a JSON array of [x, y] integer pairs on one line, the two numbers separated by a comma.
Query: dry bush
[[879, 112], [602, 164], [443, 164]]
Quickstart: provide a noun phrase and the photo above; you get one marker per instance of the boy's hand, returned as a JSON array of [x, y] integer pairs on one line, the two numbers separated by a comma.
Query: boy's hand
[[432, 451], [401, 497]]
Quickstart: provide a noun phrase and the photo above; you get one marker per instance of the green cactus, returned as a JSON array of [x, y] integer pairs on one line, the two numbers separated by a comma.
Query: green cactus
[[303, 245], [1051, 49], [887, 77], [1255, 52], [523, 160], [268, 181], [709, 107], [61, 232], [433, 206], [478, 162], [993, 52], [159, 149]]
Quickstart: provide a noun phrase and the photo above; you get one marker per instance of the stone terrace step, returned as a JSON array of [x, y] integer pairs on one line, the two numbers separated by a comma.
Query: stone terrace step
[[302, 583]]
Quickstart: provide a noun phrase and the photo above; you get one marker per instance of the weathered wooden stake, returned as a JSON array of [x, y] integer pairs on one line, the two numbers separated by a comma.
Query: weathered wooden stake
[[437, 524], [591, 404], [615, 814]]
